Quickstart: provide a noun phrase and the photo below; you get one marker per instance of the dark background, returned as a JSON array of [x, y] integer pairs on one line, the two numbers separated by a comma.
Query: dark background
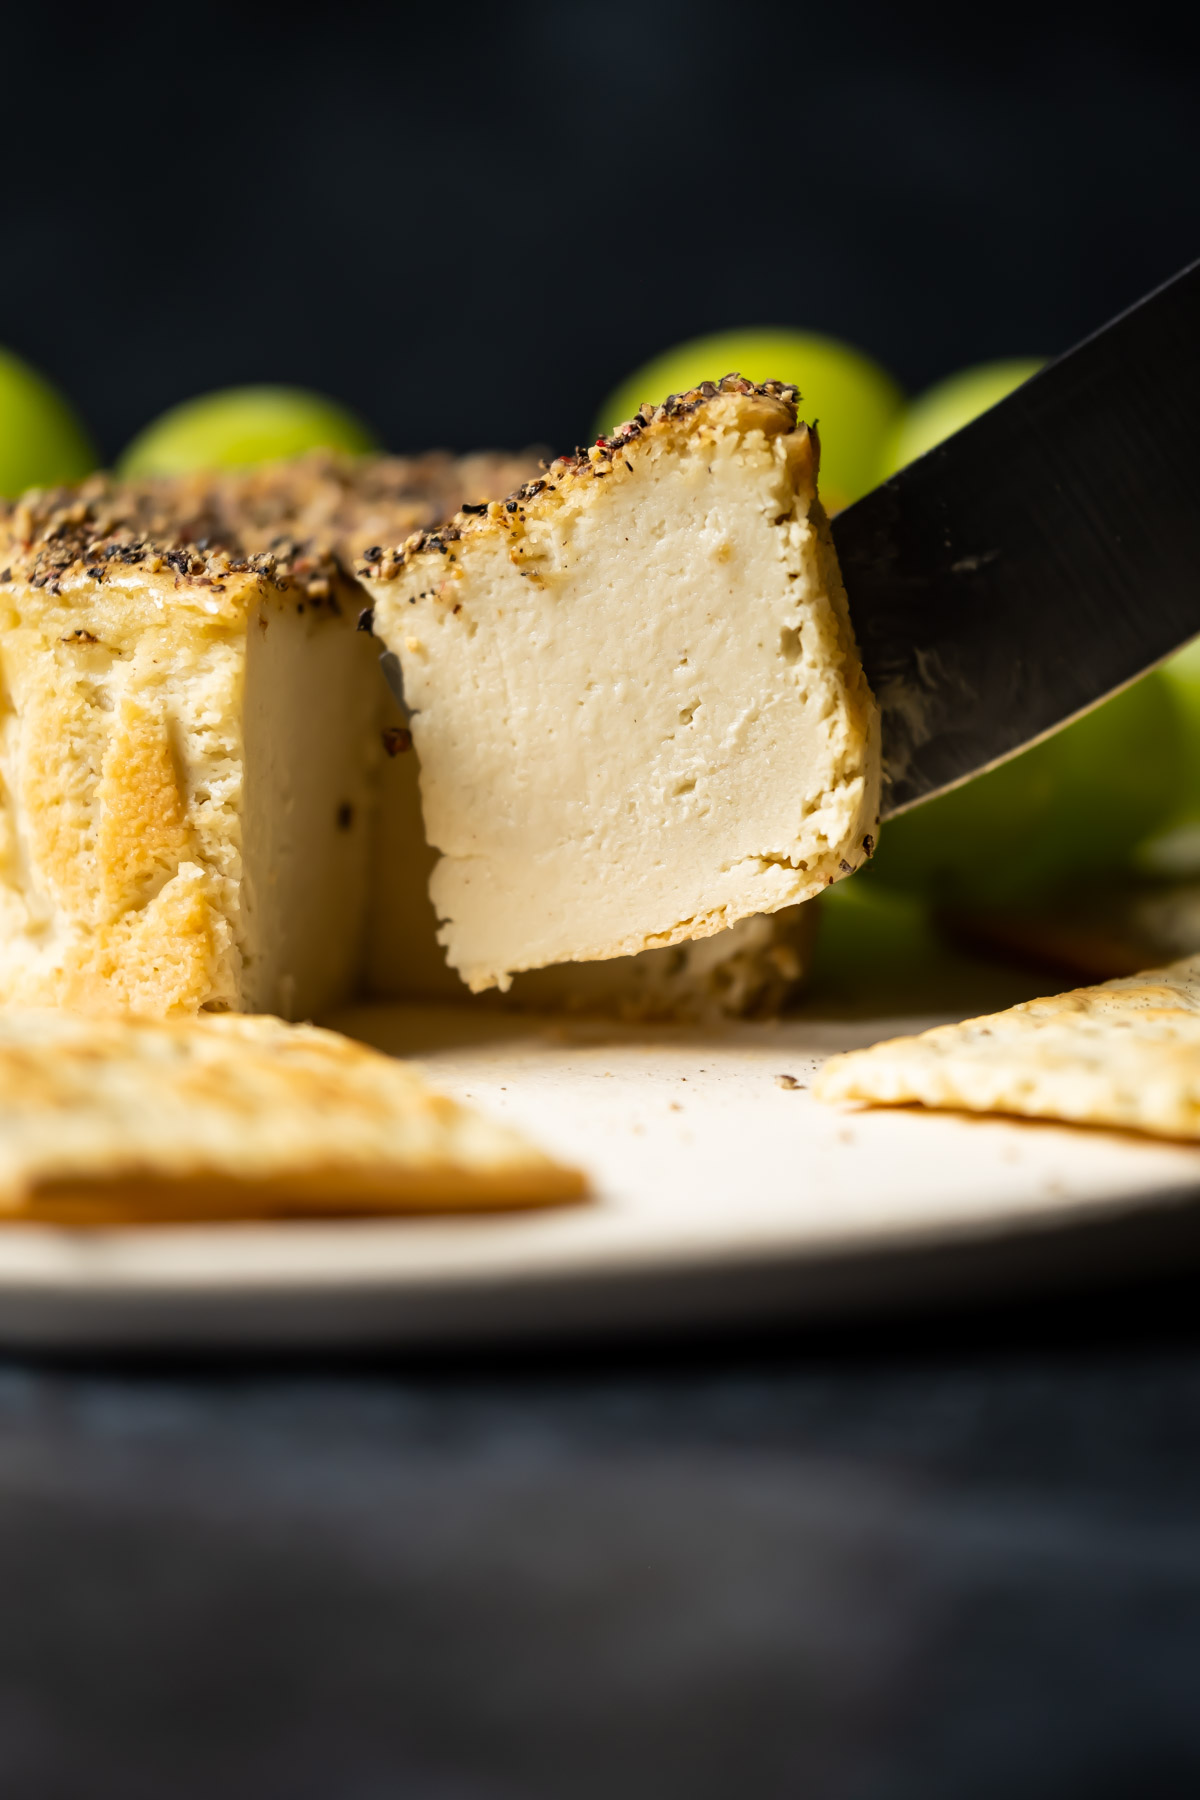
[[470, 221], [951, 1559], [947, 1561]]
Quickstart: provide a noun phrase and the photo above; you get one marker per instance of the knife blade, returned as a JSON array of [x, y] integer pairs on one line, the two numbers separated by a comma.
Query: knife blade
[[1038, 560]]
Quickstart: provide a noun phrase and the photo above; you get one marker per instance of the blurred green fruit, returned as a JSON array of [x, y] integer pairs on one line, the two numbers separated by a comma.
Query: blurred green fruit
[[854, 401], [1078, 802], [1175, 848], [238, 427], [868, 935], [1182, 672], [942, 410], [42, 443]]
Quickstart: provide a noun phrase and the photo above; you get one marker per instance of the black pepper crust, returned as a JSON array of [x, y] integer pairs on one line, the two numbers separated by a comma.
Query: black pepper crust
[[102, 524], [594, 462], [295, 525]]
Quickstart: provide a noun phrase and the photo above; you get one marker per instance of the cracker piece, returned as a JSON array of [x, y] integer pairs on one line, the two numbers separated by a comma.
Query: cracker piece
[[1123, 1054], [107, 1121]]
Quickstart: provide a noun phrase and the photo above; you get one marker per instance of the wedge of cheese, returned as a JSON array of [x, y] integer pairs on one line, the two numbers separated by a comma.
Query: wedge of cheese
[[106, 1121], [190, 735], [1126, 1053], [635, 691]]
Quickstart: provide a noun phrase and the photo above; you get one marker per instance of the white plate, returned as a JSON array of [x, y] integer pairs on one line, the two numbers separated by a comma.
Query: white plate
[[719, 1195]]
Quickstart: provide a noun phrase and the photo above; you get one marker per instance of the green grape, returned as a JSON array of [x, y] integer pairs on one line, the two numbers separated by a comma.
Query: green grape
[[1079, 802], [854, 401], [42, 443], [942, 410], [236, 428]]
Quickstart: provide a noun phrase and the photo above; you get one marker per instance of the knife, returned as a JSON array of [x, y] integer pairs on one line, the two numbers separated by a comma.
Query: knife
[[1038, 560]]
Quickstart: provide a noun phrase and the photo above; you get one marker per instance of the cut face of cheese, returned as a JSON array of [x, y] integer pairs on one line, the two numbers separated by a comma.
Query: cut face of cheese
[[636, 695], [189, 736], [124, 1120], [751, 970]]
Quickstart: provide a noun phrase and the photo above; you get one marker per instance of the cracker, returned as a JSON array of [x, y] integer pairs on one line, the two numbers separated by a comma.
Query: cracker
[[238, 1116], [1123, 1054]]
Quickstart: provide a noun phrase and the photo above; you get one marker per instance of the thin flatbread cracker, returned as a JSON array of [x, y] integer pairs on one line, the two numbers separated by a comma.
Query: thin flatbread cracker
[[232, 1116], [1124, 1054]]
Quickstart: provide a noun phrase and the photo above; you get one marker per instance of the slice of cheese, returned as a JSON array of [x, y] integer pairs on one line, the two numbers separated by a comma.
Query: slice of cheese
[[190, 734], [1126, 1053], [636, 696], [111, 1120]]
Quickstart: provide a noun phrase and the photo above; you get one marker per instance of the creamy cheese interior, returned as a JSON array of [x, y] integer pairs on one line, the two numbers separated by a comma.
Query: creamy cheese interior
[[313, 700], [753, 968], [641, 724]]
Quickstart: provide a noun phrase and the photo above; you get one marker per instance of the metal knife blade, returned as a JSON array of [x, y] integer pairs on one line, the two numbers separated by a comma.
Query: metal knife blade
[[1040, 559]]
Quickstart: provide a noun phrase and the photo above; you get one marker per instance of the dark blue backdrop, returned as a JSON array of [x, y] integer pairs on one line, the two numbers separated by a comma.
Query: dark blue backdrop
[[470, 221]]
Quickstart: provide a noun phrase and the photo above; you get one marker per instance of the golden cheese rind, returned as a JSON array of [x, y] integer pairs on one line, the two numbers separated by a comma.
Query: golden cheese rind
[[104, 1120], [1124, 1054]]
